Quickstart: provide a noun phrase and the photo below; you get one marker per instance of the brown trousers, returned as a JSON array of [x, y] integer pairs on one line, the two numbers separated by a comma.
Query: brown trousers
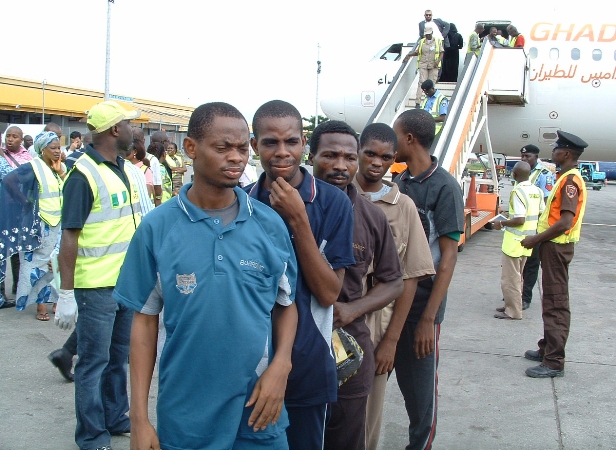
[[555, 259]]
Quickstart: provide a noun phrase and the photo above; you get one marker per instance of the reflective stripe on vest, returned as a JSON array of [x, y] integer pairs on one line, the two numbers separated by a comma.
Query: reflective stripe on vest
[[531, 197], [167, 185], [468, 47], [435, 110], [50, 192], [109, 228], [545, 221], [437, 50]]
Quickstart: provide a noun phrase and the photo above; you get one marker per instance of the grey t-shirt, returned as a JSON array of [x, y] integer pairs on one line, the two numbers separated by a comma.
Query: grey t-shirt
[[226, 214]]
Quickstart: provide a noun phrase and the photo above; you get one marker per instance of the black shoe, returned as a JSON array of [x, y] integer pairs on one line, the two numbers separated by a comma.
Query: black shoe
[[525, 305], [533, 355], [542, 371], [8, 304], [63, 360]]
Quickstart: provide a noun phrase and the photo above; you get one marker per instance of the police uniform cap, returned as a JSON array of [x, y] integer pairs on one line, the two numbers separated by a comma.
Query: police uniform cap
[[530, 149], [571, 141]]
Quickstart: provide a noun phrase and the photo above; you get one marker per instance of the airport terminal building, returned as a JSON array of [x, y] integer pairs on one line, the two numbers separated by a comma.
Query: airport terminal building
[[31, 102]]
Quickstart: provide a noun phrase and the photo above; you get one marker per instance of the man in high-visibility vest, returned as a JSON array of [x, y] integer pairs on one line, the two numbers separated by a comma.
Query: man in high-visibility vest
[[543, 178], [429, 52], [474, 43], [525, 205], [99, 217], [435, 103], [515, 38], [558, 230]]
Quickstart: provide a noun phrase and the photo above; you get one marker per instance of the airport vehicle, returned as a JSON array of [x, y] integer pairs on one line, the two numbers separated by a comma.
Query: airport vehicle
[[592, 177], [609, 168]]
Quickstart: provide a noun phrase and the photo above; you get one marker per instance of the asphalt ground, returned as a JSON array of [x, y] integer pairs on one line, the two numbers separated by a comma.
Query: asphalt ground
[[485, 399]]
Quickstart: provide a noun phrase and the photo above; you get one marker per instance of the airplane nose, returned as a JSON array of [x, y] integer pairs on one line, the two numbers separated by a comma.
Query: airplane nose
[[333, 108]]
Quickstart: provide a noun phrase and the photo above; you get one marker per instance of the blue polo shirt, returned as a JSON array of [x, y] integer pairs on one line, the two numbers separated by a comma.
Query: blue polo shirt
[[218, 286], [442, 108], [542, 178], [313, 379]]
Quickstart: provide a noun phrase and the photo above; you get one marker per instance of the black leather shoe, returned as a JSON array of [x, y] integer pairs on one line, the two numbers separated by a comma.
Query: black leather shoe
[[8, 304], [525, 305], [542, 371], [533, 355], [63, 360]]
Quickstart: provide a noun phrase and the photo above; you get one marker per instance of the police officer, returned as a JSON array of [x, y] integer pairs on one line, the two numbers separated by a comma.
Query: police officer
[[436, 103], [558, 230], [541, 177]]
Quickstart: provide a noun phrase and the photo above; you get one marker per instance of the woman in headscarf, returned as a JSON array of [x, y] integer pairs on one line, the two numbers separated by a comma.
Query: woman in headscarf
[[176, 163], [158, 150], [451, 58], [31, 201]]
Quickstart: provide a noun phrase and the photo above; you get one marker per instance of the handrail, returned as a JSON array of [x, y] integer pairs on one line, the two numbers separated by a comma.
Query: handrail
[[395, 95]]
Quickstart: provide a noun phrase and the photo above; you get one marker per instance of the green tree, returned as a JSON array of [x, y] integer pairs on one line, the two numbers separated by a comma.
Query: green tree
[[309, 125]]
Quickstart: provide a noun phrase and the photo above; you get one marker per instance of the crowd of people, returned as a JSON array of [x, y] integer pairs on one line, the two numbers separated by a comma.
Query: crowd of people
[[289, 280]]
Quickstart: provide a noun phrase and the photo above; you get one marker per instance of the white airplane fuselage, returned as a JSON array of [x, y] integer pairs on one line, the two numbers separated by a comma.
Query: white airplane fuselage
[[572, 87]]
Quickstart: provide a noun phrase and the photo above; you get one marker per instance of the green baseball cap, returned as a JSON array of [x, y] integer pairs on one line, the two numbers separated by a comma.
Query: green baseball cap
[[104, 115]]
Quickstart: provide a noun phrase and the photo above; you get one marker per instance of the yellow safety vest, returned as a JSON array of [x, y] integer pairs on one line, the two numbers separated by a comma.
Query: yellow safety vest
[[468, 47], [114, 217], [50, 192], [512, 41], [437, 51], [167, 185], [532, 197], [435, 110], [551, 214]]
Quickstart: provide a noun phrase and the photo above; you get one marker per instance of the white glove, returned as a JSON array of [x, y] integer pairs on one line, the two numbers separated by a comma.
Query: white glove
[[66, 310]]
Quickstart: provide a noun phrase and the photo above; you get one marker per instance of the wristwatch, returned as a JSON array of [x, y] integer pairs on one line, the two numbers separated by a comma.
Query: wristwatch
[[158, 197]]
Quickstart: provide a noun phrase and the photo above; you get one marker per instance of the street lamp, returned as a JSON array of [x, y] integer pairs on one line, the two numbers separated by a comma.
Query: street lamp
[[108, 57]]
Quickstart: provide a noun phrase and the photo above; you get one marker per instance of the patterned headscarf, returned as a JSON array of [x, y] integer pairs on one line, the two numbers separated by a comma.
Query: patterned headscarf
[[43, 140]]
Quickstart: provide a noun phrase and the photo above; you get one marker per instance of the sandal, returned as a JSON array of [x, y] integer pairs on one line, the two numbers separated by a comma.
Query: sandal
[[43, 317]]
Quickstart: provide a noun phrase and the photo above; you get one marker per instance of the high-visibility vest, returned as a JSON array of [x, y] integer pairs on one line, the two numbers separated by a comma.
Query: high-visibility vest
[[114, 217], [167, 185], [437, 51], [435, 110], [468, 47], [512, 40], [50, 192], [552, 209], [532, 198]]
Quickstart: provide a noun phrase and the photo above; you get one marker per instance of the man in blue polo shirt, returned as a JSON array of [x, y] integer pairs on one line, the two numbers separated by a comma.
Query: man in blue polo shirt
[[222, 298], [319, 218]]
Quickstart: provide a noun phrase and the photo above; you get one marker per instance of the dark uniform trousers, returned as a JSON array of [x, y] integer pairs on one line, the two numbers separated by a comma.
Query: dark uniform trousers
[[530, 274], [555, 259]]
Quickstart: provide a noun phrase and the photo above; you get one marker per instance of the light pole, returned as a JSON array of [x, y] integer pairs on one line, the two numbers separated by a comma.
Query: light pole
[[108, 58], [316, 112]]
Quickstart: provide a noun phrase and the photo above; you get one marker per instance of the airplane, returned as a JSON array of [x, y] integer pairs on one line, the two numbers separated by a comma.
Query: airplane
[[572, 82]]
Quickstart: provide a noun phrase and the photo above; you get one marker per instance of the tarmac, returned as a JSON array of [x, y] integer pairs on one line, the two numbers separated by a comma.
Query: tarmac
[[485, 400]]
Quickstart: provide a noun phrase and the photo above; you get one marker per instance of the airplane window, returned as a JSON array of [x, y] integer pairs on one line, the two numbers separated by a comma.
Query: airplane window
[[553, 53], [596, 54], [532, 53], [575, 54]]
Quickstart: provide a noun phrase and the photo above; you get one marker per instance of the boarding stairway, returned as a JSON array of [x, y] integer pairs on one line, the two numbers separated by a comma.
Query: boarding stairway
[[496, 76]]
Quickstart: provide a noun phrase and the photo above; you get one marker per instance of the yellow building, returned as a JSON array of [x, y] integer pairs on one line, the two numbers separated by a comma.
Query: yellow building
[[24, 102]]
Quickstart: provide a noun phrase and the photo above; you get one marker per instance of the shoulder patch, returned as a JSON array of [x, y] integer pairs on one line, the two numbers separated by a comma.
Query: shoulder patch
[[571, 190]]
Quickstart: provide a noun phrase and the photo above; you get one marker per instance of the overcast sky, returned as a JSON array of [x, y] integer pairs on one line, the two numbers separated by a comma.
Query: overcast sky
[[242, 52]]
